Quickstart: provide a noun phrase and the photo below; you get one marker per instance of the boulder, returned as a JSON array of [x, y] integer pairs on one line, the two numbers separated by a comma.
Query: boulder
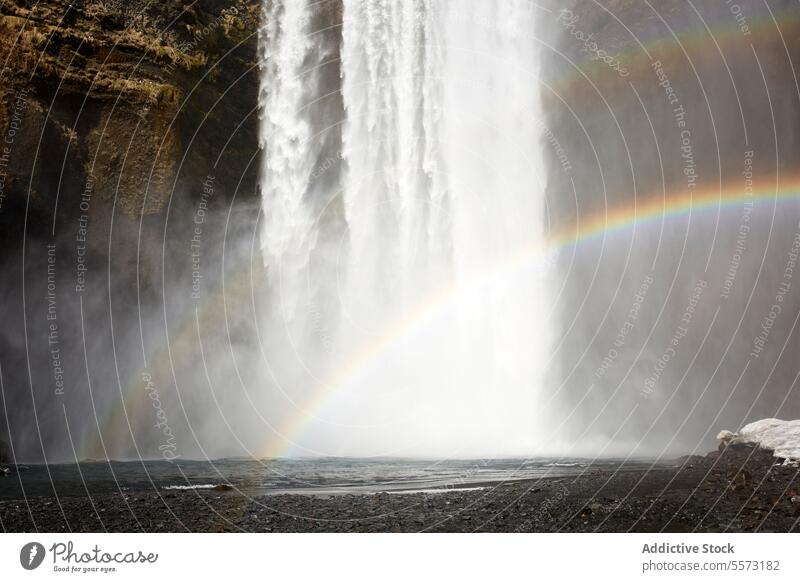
[[779, 436]]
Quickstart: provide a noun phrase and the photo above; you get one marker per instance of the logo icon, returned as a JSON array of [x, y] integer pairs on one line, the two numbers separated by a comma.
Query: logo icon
[[31, 555]]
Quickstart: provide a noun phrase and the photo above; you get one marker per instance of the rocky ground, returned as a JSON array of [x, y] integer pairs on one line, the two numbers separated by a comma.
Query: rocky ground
[[739, 489]]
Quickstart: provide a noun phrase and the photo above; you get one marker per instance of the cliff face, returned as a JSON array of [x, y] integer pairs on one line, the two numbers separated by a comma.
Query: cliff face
[[120, 99], [125, 127]]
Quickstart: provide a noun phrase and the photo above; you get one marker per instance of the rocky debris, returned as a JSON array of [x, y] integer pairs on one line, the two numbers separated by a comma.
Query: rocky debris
[[690, 460], [8, 471], [740, 490]]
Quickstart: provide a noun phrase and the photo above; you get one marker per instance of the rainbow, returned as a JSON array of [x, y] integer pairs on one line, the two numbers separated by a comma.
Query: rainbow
[[654, 210], [651, 210], [639, 53], [638, 214]]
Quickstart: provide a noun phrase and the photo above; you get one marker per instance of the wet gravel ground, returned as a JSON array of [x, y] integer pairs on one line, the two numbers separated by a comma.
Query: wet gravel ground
[[736, 490]]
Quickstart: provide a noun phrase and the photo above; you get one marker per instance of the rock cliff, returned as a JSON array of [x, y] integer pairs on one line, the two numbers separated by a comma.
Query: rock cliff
[[128, 99]]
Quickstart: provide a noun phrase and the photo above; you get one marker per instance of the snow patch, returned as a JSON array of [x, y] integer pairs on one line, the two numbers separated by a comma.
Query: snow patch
[[782, 437]]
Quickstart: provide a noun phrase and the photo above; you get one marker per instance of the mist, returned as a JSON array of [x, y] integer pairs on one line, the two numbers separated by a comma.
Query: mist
[[683, 145], [434, 229]]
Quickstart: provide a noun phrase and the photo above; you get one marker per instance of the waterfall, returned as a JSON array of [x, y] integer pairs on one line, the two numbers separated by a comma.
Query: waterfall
[[408, 314], [288, 234]]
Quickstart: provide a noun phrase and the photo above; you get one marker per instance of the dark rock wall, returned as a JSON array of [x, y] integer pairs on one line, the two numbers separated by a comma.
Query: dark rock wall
[[115, 115]]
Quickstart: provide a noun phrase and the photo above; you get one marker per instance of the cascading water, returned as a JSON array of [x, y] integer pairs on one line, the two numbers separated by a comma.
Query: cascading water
[[288, 232], [409, 311]]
